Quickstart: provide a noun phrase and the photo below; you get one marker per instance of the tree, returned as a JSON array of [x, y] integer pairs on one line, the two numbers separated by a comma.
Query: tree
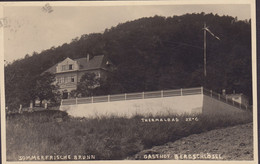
[[44, 88], [150, 54], [109, 85], [88, 83]]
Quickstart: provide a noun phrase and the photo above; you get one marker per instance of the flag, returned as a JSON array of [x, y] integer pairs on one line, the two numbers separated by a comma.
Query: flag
[[206, 28]]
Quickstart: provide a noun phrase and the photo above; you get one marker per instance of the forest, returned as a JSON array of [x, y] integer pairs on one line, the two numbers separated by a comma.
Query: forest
[[151, 53]]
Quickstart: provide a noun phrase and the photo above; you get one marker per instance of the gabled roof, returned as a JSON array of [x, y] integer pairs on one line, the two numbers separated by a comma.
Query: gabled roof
[[96, 62], [52, 69]]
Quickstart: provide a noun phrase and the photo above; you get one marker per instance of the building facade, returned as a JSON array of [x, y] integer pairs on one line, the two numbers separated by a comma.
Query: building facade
[[69, 71], [239, 98]]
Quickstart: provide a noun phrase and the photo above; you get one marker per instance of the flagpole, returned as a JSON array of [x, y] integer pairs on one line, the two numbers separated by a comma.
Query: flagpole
[[205, 50]]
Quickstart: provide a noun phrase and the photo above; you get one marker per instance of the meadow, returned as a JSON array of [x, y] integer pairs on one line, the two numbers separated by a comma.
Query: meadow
[[52, 132]]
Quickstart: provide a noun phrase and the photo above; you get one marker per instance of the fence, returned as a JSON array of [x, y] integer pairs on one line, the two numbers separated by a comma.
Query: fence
[[224, 99], [133, 96], [155, 94]]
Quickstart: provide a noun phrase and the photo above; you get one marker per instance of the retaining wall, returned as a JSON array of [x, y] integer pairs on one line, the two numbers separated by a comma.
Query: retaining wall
[[214, 106], [188, 104], [163, 106]]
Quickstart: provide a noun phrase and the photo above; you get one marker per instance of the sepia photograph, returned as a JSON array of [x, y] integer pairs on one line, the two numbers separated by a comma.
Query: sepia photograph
[[168, 81]]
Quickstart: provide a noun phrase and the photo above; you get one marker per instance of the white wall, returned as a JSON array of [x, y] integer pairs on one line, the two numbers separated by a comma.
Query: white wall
[[163, 106]]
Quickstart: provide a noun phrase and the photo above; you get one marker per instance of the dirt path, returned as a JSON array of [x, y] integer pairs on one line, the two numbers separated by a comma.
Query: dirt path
[[232, 143]]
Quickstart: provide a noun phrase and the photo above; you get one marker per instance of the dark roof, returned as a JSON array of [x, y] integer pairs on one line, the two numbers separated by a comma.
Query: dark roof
[[52, 69], [96, 62]]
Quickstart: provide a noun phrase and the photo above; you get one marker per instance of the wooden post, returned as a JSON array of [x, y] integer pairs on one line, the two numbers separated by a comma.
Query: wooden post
[[205, 51], [46, 105], [31, 105], [181, 91], [20, 109]]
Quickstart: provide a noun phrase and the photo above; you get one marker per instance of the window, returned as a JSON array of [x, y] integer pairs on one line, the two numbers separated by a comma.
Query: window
[[62, 80], [63, 67], [67, 67], [66, 79], [70, 67], [59, 80], [72, 79]]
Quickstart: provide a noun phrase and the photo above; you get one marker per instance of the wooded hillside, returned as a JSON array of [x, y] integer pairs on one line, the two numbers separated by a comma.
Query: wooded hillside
[[152, 54]]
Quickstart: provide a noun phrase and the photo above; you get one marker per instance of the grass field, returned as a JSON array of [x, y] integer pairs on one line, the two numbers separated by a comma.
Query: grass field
[[54, 132], [230, 143]]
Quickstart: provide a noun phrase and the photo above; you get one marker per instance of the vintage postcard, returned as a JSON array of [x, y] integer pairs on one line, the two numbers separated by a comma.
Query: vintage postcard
[[128, 81]]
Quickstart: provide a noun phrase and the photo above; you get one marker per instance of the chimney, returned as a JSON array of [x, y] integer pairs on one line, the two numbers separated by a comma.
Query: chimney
[[87, 57], [223, 92]]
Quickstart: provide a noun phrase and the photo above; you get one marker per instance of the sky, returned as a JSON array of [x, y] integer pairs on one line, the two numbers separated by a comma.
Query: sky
[[36, 28]]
